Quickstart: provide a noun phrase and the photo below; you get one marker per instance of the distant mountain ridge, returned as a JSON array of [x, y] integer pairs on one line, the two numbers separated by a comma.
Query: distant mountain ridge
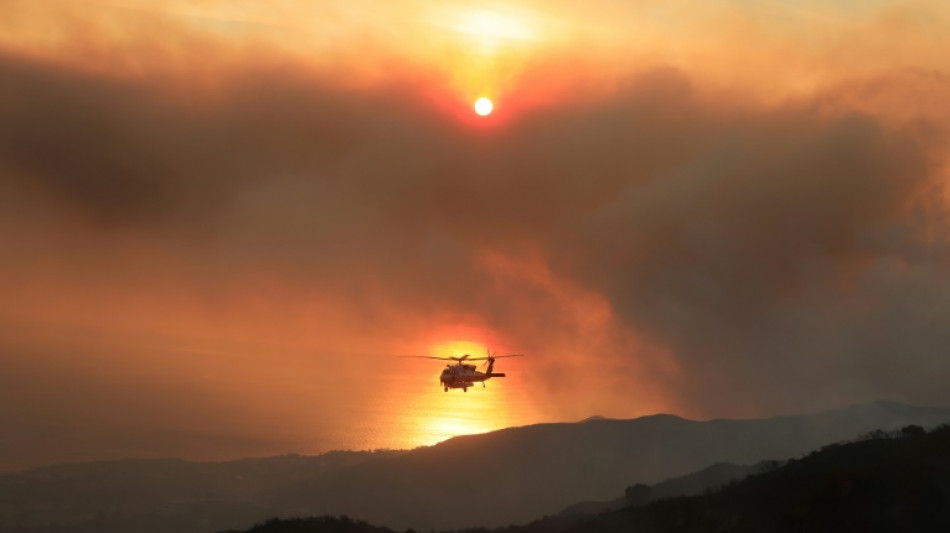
[[463, 482]]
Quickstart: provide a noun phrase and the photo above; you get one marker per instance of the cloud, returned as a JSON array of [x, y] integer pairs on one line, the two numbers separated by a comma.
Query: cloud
[[661, 244], [788, 211]]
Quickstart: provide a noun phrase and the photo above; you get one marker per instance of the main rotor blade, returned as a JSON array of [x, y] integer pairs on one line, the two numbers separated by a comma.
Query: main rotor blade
[[465, 357], [430, 357], [496, 357]]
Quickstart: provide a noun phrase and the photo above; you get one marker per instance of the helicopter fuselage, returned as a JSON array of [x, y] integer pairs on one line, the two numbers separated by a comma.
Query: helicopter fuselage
[[462, 376]]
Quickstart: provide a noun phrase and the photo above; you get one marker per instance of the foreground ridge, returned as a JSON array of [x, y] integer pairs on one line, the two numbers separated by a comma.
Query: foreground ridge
[[885, 481]]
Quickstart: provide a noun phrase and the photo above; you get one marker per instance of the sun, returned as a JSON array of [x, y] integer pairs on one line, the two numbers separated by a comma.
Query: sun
[[483, 106]]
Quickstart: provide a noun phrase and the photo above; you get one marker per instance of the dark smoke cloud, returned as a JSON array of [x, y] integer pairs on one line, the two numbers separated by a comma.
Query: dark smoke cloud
[[730, 257]]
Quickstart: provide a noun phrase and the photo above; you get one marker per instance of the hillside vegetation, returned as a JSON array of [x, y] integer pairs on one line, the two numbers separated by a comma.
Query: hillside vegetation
[[886, 482], [512, 476]]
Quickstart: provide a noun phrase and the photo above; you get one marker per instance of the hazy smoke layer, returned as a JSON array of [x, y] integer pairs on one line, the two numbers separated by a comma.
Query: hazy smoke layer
[[195, 244]]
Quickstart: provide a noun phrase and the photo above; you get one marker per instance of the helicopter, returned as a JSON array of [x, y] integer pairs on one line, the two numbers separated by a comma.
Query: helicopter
[[462, 375]]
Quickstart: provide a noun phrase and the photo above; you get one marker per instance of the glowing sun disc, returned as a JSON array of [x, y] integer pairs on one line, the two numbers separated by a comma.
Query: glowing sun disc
[[483, 106]]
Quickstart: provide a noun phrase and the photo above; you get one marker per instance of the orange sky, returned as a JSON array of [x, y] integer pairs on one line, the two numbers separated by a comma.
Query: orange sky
[[222, 221]]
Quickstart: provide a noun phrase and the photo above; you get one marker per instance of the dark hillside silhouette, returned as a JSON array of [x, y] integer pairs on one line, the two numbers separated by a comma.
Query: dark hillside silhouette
[[321, 524], [703, 481], [897, 483], [506, 477], [547, 467], [893, 482]]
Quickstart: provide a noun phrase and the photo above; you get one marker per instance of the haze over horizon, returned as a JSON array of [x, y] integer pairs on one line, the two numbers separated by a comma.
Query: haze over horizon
[[221, 221]]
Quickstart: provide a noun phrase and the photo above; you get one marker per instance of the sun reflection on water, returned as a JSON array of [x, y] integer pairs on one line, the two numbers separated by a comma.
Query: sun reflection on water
[[436, 416]]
